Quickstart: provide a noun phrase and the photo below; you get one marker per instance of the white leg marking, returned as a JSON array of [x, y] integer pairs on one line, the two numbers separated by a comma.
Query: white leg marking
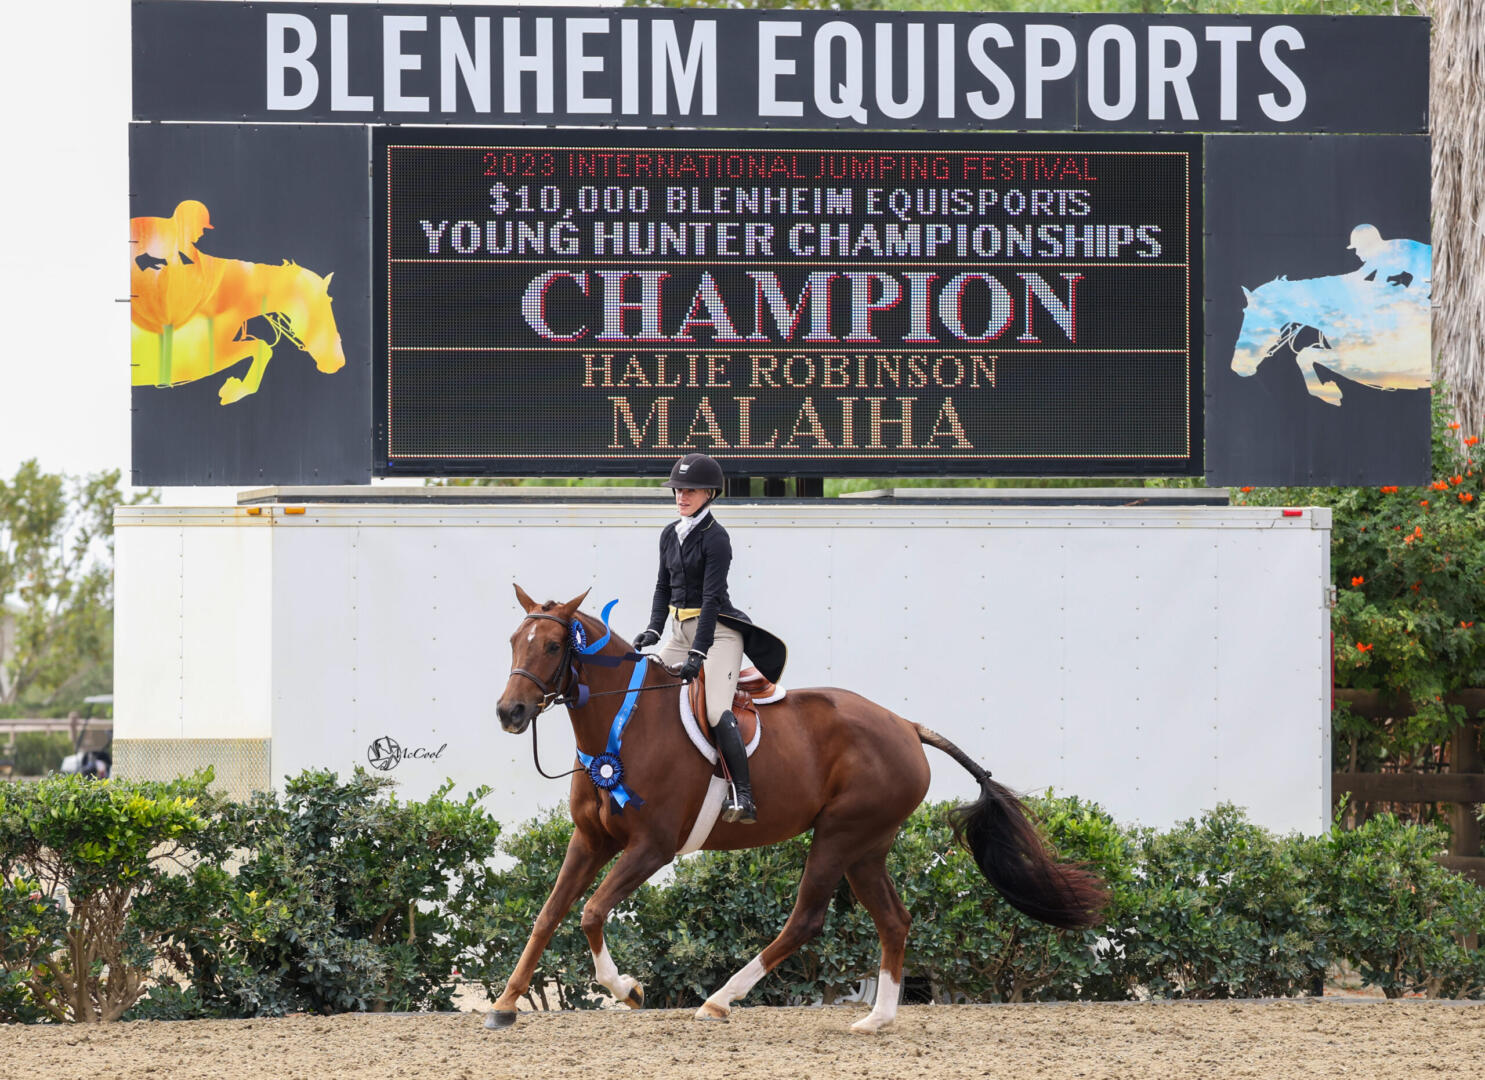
[[606, 974], [884, 1012], [737, 986]]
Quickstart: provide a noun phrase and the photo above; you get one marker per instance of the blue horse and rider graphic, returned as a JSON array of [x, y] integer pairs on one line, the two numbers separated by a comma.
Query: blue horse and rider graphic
[[1370, 325]]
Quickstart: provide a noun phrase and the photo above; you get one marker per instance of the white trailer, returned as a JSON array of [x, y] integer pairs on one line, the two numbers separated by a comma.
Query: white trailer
[[1155, 659]]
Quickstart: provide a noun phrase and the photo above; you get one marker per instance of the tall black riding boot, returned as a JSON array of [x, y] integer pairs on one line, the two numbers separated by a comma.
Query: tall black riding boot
[[739, 805]]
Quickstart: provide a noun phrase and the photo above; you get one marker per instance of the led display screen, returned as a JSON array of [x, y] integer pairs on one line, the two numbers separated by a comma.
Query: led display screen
[[567, 303]]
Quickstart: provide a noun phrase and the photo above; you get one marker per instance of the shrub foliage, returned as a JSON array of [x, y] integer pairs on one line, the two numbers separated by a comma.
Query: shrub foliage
[[77, 859], [122, 899]]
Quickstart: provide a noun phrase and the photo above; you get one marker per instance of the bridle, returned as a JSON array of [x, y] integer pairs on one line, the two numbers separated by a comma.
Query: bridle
[[564, 694], [553, 693]]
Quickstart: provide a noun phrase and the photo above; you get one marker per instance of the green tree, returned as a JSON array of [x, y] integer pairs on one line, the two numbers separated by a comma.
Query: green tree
[[1409, 566], [56, 583]]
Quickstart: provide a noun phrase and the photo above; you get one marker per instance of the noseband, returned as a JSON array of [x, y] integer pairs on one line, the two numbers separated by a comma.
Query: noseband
[[552, 692]]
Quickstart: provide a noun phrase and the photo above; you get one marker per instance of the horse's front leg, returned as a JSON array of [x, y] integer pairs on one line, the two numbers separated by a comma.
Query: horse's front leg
[[629, 873], [1328, 392], [585, 857], [822, 872], [235, 389]]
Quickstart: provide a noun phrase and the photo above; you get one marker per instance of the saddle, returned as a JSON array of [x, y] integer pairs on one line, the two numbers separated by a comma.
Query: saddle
[[752, 690]]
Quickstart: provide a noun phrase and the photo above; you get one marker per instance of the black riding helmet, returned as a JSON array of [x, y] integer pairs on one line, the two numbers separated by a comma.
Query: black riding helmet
[[696, 471]]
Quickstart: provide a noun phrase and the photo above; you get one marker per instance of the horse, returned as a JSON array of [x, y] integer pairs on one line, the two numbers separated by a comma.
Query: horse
[[189, 319], [829, 761], [1373, 332]]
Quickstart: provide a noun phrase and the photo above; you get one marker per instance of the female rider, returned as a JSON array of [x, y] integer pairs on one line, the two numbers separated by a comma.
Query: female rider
[[706, 631]]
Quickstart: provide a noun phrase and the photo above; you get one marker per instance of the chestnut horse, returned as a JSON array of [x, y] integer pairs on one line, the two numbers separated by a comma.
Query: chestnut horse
[[829, 760]]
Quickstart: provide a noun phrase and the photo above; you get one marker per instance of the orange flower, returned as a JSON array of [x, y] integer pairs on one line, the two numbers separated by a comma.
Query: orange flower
[[1465, 496], [1466, 625], [1390, 489], [1470, 440], [1416, 584], [1454, 425], [1245, 490], [1439, 485], [1357, 581], [1361, 647], [1422, 502], [1456, 479]]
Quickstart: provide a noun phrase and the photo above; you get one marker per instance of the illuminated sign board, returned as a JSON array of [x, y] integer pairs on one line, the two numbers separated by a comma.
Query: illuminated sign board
[[566, 303]]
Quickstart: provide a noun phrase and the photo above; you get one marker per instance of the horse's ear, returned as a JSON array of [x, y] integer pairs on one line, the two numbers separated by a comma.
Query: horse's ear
[[525, 601], [1247, 294], [570, 608], [328, 276]]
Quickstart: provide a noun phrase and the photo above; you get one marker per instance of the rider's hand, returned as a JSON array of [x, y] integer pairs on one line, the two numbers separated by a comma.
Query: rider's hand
[[692, 667], [645, 638]]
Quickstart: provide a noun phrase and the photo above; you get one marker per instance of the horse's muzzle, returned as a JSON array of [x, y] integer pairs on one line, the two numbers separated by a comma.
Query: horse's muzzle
[[517, 716]]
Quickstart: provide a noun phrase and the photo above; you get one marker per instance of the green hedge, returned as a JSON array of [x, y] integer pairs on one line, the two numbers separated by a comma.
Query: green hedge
[[335, 896]]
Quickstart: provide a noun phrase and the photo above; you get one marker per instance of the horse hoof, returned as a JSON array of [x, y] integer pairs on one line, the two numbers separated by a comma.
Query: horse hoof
[[864, 1026], [499, 1019], [636, 997], [708, 1011]]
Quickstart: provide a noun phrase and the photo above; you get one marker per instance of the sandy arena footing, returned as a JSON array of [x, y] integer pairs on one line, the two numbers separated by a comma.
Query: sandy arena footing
[[1285, 1040]]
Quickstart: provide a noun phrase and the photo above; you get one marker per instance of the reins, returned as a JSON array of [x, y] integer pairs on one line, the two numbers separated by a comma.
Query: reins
[[536, 756]]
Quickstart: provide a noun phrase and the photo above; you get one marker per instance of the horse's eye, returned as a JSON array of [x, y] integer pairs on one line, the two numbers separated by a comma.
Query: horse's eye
[[551, 646]]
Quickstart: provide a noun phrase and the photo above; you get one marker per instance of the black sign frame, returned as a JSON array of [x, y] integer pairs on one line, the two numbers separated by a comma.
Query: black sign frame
[[390, 460], [383, 64]]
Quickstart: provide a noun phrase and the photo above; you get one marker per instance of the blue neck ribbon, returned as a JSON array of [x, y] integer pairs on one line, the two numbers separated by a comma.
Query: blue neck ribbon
[[606, 770]]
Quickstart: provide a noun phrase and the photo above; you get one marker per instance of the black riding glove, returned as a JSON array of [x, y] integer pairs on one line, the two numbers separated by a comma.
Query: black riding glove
[[645, 638], [692, 667]]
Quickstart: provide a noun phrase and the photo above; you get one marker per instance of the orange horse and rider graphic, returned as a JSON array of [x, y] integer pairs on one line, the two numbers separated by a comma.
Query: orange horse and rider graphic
[[190, 310]]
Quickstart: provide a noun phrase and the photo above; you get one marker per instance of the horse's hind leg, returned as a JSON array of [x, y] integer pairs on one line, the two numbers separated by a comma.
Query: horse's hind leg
[[629, 873], [579, 868], [822, 872], [872, 886]]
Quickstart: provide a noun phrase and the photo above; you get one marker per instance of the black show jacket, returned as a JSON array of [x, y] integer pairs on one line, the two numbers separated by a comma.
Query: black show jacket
[[693, 574]]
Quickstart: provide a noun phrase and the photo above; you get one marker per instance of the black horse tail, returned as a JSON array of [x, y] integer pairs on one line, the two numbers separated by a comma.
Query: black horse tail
[[998, 831]]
